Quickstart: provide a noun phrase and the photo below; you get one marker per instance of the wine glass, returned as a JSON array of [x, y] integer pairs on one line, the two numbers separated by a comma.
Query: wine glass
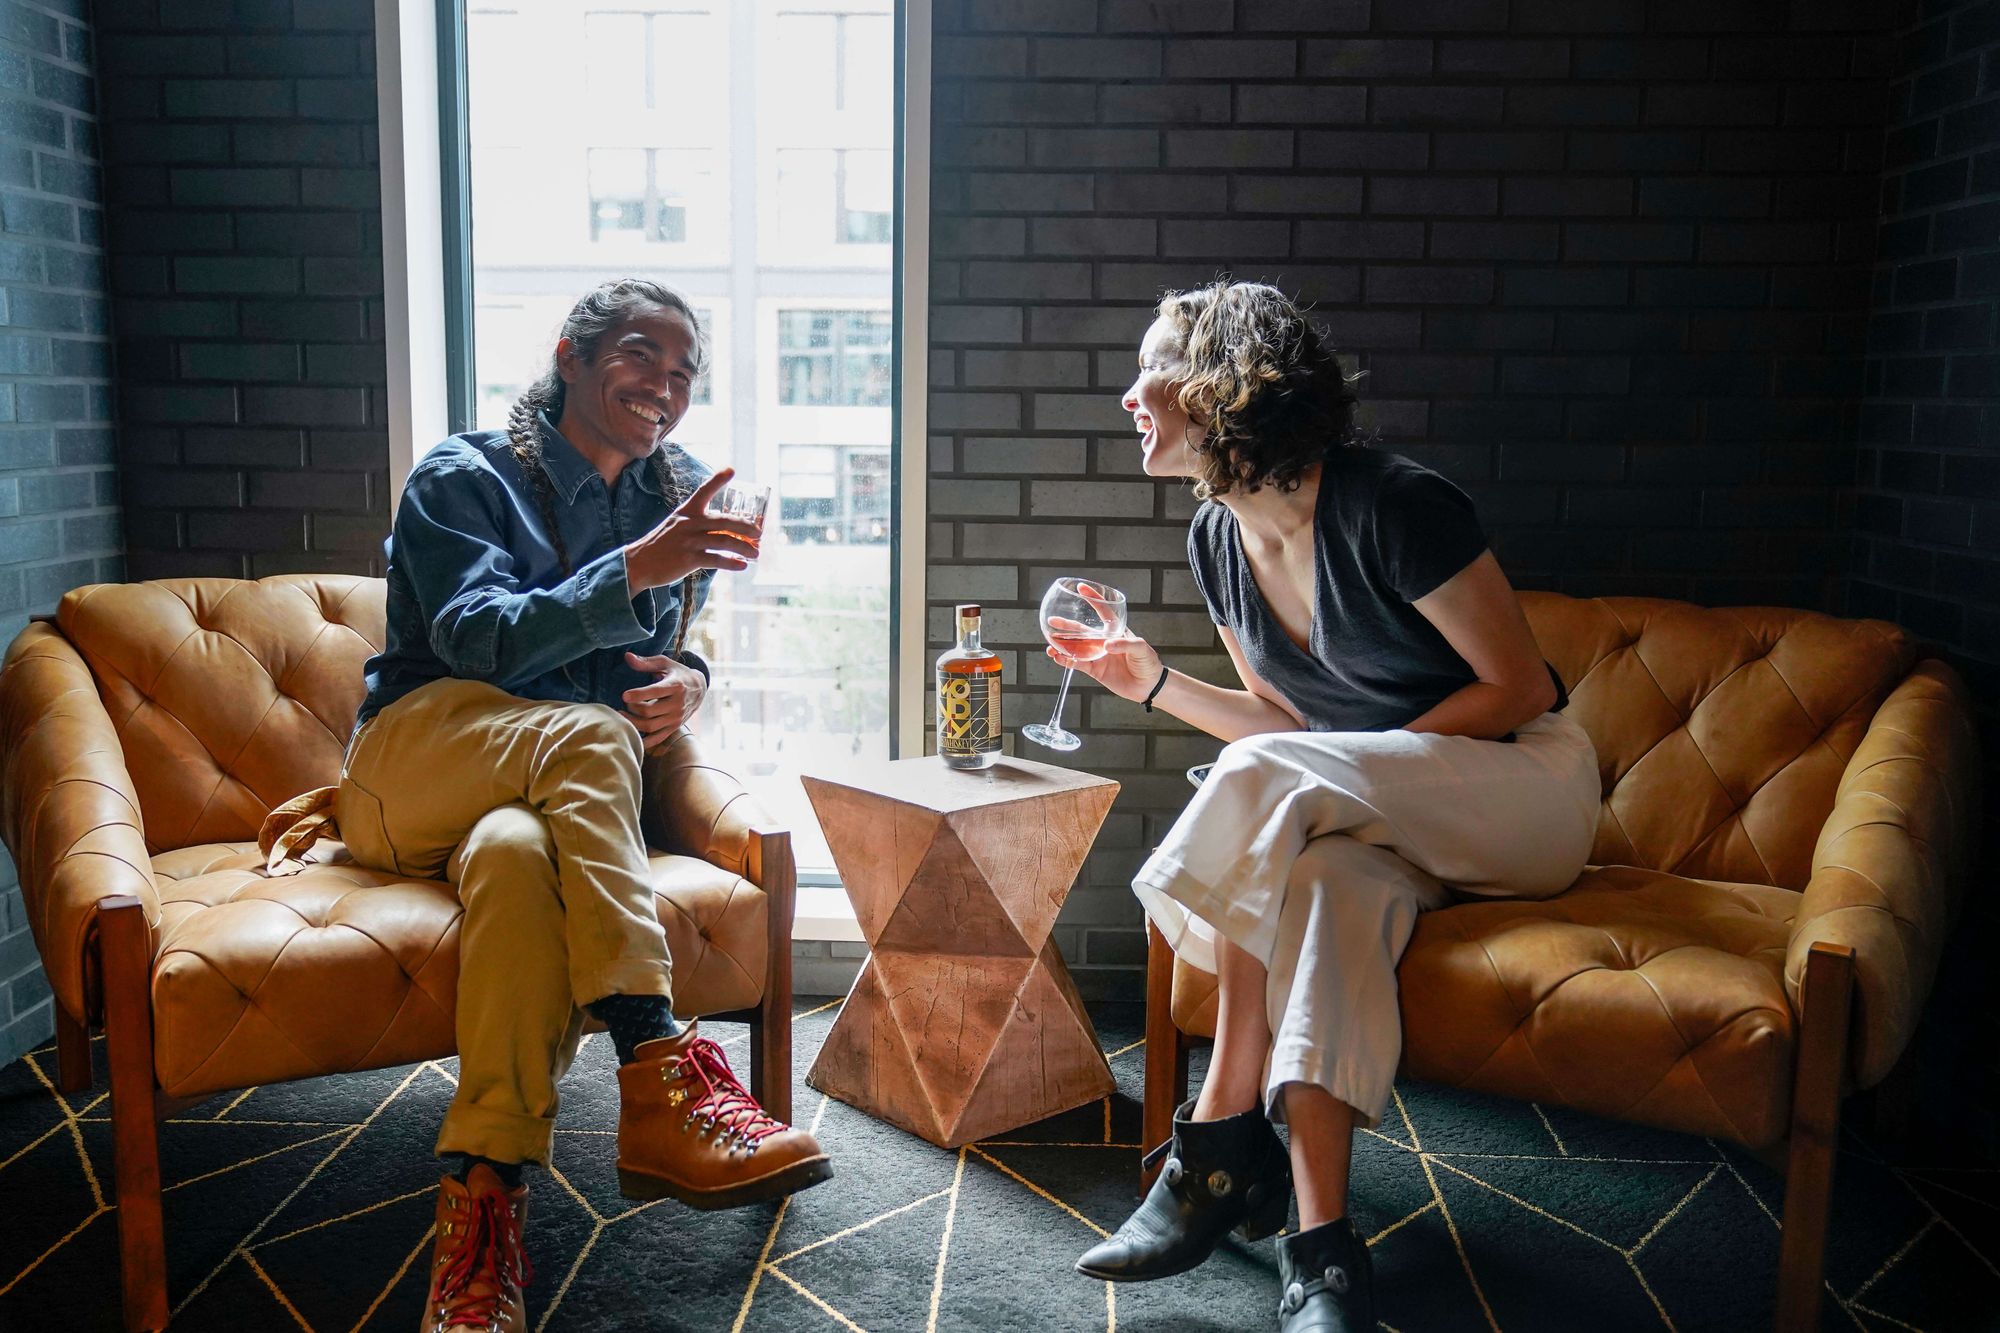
[[1080, 617]]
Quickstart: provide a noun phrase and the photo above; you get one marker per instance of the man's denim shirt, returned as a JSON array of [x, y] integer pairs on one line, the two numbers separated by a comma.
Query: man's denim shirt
[[476, 590]]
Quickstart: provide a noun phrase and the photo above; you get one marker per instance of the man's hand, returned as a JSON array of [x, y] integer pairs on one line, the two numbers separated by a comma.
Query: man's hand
[[666, 705]]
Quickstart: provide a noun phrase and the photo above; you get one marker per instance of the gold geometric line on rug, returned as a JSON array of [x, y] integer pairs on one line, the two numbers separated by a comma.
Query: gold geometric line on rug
[[771, 1236], [278, 1292], [1561, 1147], [1945, 1222], [1124, 1050], [242, 1247], [68, 1122], [1580, 1161], [845, 1232], [1651, 1295], [344, 1217], [395, 1277], [1383, 1234], [1416, 1145], [95, 1213], [1873, 1313], [248, 1161], [233, 1124], [944, 1244], [555, 1301], [234, 1104], [70, 1115], [37, 1142], [1673, 1212], [1892, 1261], [806, 1292], [1002, 1167]]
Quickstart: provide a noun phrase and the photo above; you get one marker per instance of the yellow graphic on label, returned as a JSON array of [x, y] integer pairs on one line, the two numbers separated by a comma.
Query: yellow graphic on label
[[968, 714]]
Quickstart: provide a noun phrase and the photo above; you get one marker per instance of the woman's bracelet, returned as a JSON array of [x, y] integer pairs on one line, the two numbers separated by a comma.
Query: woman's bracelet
[[1154, 693]]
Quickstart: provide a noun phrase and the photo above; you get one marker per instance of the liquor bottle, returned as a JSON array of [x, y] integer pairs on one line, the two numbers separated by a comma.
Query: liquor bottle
[[968, 698]]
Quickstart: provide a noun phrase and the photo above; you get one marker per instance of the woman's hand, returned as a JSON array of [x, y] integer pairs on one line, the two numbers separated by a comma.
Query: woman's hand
[[1129, 668], [668, 703], [691, 538]]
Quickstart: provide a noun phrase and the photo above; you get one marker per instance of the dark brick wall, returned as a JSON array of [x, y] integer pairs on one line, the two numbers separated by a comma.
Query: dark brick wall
[[246, 283], [59, 523], [1606, 264], [1927, 507]]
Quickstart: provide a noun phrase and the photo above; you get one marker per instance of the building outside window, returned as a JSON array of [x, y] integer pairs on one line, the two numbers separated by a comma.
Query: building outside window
[[740, 152], [828, 357]]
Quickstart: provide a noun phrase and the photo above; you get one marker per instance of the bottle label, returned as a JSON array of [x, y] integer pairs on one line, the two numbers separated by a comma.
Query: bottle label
[[968, 713]]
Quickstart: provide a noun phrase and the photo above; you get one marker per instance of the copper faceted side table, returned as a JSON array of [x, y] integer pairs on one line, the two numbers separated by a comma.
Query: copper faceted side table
[[963, 1022]]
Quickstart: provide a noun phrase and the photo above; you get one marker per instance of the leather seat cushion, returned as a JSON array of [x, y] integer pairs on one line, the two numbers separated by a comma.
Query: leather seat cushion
[[1637, 995], [337, 968]]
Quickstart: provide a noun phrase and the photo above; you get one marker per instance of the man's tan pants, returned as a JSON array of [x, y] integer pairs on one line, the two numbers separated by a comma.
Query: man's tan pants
[[531, 811]]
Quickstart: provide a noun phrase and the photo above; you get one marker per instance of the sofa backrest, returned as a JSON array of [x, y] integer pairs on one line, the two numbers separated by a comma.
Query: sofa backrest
[[1720, 734], [229, 696]]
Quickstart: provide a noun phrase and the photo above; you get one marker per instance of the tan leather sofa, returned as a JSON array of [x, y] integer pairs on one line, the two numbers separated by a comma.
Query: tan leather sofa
[[147, 729], [1788, 810]]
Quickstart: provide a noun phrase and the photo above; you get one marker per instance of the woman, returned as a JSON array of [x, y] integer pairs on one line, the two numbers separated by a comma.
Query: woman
[[1394, 736]]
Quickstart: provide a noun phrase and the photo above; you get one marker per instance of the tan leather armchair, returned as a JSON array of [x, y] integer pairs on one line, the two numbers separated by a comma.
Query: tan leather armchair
[[147, 729], [1788, 810]]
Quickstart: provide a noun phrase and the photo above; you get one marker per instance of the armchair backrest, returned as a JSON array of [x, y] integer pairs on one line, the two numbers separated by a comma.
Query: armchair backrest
[[230, 696], [1721, 734]]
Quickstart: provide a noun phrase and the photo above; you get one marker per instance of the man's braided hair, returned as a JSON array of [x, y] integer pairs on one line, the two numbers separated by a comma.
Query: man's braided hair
[[597, 313]]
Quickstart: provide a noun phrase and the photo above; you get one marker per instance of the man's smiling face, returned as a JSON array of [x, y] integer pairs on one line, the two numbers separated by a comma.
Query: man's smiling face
[[626, 400]]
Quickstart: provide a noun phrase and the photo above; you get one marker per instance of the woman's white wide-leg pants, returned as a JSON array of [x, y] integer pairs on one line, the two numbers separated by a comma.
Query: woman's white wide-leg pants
[[1314, 852]]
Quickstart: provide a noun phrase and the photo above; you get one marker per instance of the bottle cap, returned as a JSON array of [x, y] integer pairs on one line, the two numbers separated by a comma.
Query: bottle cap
[[968, 609]]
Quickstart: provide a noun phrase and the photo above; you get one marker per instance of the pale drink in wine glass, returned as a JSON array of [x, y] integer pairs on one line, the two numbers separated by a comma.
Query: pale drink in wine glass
[[1080, 618]]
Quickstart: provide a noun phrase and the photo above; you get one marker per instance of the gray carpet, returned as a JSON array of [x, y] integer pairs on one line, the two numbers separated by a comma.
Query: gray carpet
[[307, 1205]]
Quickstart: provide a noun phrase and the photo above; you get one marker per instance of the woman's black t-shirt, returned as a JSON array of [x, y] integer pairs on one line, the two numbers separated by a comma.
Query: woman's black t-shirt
[[1388, 532]]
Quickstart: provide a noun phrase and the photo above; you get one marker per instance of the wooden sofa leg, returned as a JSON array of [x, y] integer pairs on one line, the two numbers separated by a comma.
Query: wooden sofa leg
[[771, 1033], [1826, 996], [125, 953], [72, 1052], [1166, 1051]]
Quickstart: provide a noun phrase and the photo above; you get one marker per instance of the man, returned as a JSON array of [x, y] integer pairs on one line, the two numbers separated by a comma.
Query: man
[[541, 580]]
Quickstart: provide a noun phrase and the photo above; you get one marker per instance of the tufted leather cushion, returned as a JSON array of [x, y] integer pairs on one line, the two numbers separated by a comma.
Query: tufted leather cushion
[[1745, 754], [247, 964], [1720, 734], [142, 741], [1637, 994], [228, 696]]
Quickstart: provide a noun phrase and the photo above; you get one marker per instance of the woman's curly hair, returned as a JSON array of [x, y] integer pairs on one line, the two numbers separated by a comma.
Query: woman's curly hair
[[1268, 389]]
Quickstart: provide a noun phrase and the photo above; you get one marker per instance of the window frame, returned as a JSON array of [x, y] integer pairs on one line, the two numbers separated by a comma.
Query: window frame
[[427, 247]]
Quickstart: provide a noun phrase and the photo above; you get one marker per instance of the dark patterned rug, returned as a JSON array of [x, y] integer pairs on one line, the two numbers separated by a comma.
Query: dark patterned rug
[[307, 1205]]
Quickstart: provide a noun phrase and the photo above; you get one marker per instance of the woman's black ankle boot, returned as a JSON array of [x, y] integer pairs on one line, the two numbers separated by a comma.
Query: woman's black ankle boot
[[1329, 1285], [1219, 1175]]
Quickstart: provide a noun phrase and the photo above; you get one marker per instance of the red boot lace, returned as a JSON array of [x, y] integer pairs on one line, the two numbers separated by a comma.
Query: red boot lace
[[491, 1252], [726, 1102]]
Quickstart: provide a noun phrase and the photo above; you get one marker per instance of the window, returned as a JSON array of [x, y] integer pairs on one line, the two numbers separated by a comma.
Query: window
[[835, 62], [835, 495], [785, 256], [834, 196], [657, 61], [833, 358], [645, 194]]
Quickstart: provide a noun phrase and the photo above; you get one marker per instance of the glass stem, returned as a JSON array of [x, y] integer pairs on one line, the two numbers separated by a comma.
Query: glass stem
[[1055, 718]]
